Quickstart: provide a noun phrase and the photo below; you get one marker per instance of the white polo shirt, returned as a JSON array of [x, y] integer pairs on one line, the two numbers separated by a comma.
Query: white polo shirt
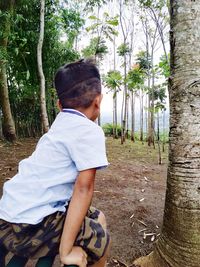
[[44, 182]]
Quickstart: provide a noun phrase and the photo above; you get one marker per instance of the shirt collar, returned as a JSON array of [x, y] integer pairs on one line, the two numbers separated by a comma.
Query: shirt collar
[[73, 111]]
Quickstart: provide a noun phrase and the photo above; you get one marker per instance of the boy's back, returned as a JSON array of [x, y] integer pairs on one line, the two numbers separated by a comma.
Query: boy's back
[[45, 208], [44, 183]]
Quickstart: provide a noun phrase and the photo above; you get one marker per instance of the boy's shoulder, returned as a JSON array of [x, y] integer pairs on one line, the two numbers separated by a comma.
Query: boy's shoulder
[[76, 124]]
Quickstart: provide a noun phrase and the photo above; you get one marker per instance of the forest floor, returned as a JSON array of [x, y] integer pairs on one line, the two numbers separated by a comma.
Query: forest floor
[[130, 192]]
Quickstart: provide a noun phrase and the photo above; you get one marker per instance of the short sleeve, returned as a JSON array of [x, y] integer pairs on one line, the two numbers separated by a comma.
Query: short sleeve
[[88, 150]]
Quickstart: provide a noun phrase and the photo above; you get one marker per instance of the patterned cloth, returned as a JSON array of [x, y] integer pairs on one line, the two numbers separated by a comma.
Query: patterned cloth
[[43, 239]]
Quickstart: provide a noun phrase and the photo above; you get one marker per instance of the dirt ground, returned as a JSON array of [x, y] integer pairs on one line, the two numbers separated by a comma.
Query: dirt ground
[[130, 192]]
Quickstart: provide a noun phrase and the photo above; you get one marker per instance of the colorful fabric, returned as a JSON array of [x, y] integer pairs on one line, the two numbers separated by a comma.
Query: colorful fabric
[[43, 239]]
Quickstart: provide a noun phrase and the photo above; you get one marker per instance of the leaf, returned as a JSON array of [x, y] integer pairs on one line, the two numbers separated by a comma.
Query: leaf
[[93, 17], [92, 27], [27, 75], [112, 22], [16, 50]]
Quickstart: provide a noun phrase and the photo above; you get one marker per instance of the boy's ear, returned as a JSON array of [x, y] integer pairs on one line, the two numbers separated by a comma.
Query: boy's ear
[[98, 100], [59, 106]]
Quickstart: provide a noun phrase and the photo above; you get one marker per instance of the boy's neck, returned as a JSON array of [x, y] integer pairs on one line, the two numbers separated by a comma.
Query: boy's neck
[[86, 112]]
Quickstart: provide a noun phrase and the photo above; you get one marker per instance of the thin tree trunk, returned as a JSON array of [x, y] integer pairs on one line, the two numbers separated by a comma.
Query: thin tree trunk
[[179, 242], [8, 126], [44, 116], [149, 135], [141, 117], [124, 115], [115, 135], [146, 116], [122, 119], [163, 141], [160, 33], [151, 128], [132, 116], [125, 104], [115, 115], [1, 133], [127, 119], [152, 110], [158, 127], [158, 139]]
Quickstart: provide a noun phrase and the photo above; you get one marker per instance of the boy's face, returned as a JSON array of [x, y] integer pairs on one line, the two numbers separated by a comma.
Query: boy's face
[[96, 109]]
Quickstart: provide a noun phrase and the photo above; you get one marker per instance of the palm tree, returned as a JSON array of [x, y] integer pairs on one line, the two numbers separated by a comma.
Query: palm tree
[[179, 242], [113, 81], [135, 79]]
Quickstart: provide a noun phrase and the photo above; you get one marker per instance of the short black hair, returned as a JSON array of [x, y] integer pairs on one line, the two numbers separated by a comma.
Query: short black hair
[[77, 84]]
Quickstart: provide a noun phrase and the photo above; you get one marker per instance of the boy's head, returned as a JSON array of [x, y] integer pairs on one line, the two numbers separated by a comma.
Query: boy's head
[[78, 84]]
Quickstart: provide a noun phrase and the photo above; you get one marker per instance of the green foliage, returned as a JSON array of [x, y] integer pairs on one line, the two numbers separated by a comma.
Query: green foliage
[[22, 62], [113, 81], [104, 27], [144, 61], [72, 23], [91, 4], [164, 67], [135, 78], [108, 129], [158, 94], [158, 4], [164, 136], [123, 49], [97, 48]]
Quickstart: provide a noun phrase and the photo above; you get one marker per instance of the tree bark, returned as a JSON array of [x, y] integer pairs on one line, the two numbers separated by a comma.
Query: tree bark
[[124, 115], [115, 131], [141, 116], [115, 116], [179, 242], [132, 116], [8, 126], [44, 116], [163, 141]]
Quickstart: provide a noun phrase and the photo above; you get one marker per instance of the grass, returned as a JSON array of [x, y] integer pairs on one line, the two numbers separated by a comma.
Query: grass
[[131, 151]]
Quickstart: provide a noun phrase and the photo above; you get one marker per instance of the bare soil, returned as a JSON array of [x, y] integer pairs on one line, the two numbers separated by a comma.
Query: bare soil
[[130, 192]]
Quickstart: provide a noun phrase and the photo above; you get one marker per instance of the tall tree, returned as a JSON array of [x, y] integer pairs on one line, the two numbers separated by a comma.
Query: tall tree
[[8, 126], [45, 122], [124, 50], [158, 11], [179, 242], [113, 81], [135, 79]]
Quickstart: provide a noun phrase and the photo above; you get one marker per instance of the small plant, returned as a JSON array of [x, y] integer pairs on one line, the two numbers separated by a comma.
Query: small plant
[[108, 129]]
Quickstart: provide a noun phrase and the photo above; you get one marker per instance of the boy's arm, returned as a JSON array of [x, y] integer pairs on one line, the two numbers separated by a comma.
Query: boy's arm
[[78, 207]]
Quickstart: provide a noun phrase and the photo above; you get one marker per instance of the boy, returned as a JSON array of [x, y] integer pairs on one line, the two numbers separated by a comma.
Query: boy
[[45, 208]]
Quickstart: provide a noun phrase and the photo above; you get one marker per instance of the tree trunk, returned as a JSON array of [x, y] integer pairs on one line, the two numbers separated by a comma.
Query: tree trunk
[[141, 116], [146, 115], [125, 95], [123, 134], [122, 119], [115, 135], [132, 116], [149, 133], [158, 139], [44, 116], [127, 120], [115, 116], [163, 141], [8, 126], [179, 242]]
